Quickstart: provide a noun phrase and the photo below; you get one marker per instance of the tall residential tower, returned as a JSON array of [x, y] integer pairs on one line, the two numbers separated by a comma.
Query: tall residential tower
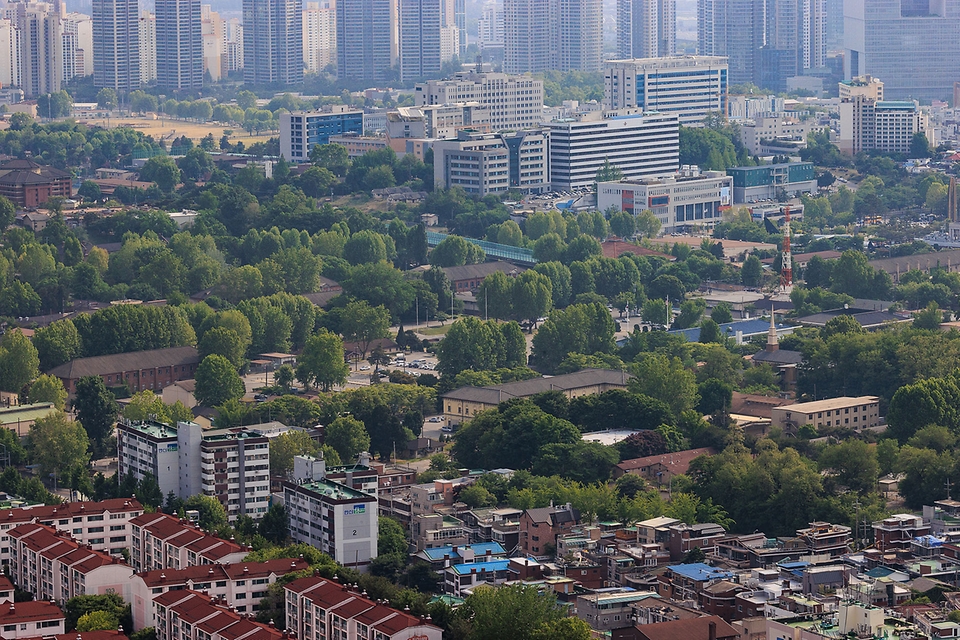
[[366, 40], [116, 45], [179, 44], [646, 28], [273, 41]]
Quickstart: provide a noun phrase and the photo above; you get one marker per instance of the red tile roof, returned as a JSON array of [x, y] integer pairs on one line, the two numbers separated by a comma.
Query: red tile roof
[[54, 545], [678, 462], [181, 534], [616, 248], [235, 571], [214, 618], [20, 612]]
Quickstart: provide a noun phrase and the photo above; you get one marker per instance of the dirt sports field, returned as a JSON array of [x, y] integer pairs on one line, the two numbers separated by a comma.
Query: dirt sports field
[[168, 129]]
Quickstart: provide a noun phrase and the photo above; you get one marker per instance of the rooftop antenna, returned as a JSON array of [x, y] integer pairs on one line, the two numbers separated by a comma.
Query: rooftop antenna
[[949, 484]]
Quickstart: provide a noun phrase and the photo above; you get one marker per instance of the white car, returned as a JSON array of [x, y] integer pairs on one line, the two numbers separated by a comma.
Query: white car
[[365, 367]]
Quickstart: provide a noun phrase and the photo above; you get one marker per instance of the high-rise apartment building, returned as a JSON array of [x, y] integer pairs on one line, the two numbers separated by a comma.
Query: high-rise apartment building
[[884, 125], [690, 86], [429, 37], [646, 28], [319, 36], [233, 44], [147, 30], [735, 29], [460, 22], [273, 42], [41, 45], [179, 44], [490, 26], [552, 34], [641, 145], [10, 67], [367, 39], [515, 102], [77, 46], [117, 45], [910, 44], [211, 29]]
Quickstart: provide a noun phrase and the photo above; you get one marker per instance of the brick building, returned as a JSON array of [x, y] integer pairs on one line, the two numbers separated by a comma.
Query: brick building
[[540, 528], [138, 370], [28, 184]]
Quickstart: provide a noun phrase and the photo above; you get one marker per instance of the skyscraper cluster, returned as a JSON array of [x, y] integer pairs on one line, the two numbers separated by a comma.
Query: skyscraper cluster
[[767, 41], [552, 34]]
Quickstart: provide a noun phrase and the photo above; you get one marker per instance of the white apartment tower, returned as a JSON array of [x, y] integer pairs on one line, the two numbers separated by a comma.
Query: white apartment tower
[[490, 26], [147, 28], [646, 28], [211, 30], [10, 67], [429, 37], [77, 46], [41, 45], [552, 34], [319, 36], [116, 45]]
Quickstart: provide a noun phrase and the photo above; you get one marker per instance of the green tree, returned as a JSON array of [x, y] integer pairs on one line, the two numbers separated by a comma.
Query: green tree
[[275, 525], [475, 496], [391, 540], [494, 296], [19, 361], [647, 224], [96, 409], [111, 604], [8, 213], [146, 405], [321, 362], [89, 191], [623, 224], [58, 445], [519, 612], [580, 328], [162, 171], [532, 295], [721, 313], [454, 251], [362, 323], [751, 274], [664, 378], [217, 381], [348, 436], [608, 172], [286, 446], [224, 342], [107, 99], [97, 620], [48, 389], [919, 145], [930, 318], [212, 512]]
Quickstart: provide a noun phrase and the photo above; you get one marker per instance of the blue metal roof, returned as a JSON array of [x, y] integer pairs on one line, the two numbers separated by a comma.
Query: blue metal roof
[[478, 549], [492, 249], [749, 328], [470, 567], [699, 571]]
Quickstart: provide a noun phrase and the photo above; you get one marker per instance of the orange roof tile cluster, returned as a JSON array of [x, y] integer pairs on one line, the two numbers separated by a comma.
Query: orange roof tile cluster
[[54, 545], [213, 617], [678, 462], [217, 572], [338, 599], [46, 514], [182, 534], [23, 612]]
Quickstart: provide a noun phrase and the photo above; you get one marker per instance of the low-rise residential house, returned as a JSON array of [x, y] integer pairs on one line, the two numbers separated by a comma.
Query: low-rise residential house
[[684, 538], [321, 609], [894, 534], [459, 579], [190, 615], [826, 538], [710, 627], [242, 584], [52, 566], [661, 468], [539, 528], [30, 620], [438, 530], [687, 581], [442, 557], [609, 610], [161, 541]]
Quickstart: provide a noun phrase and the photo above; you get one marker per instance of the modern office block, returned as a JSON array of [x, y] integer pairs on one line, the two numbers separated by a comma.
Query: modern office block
[[751, 184], [641, 144], [515, 102], [681, 202], [884, 125], [485, 163], [490, 26], [646, 28], [690, 86], [909, 44], [179, 44], [301, 131], [367, 40], [273, 42]]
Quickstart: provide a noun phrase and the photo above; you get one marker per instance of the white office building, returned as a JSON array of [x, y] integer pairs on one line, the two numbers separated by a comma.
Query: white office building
[[338, 520], [690, 199], [691, 86], [515, 102], [10, 67], [77, 46], [484, 163], [642, 145]]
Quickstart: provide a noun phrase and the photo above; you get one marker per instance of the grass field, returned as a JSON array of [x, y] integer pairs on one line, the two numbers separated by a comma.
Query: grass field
[[168, 129]]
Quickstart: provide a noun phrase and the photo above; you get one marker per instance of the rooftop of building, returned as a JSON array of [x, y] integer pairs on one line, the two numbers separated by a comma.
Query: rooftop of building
[[479, 549], [211, 572], [134, 361], [623, 596], [700, 572], [829, 404], [151, 428], [467, 568], [333, 490], [680, 460], [22, 612]]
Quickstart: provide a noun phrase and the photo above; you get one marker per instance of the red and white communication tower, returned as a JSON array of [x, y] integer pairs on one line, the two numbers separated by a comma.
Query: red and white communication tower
[[786, 260]]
